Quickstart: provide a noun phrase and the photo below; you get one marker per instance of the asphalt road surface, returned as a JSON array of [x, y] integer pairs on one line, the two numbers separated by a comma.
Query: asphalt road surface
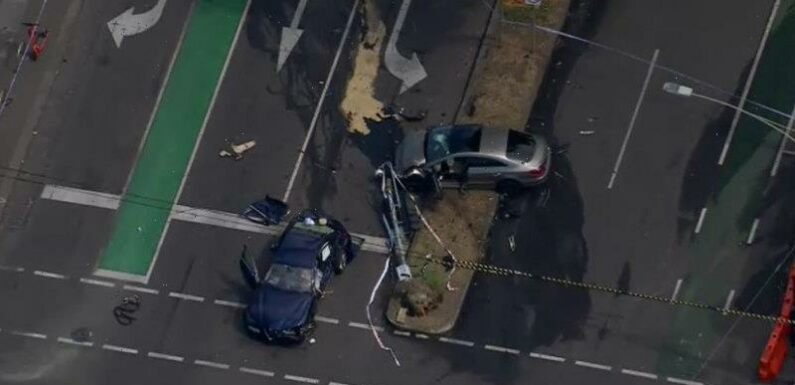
[[71, 147]]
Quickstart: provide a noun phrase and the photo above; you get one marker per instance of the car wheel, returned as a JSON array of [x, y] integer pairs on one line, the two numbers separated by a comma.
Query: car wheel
[[509, 187]]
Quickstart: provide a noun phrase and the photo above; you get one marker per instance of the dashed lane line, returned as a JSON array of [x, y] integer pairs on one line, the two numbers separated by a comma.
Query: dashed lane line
[[256, 372], [593, 365], [421, 336], [29, 334], [96, 282], [233, 304], [141, 289], [360, 325], [14, 269], [211, 364], [547, 357], [682, 382], [455, 341], [327, 320], [638, 373], [306, 380], [70, 341], [401, 333], [47, 274], [500, 349], [187, 297], [167, 357], [120, 349]]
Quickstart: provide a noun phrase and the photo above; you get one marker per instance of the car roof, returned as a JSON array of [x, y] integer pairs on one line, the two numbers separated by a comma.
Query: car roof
[[493, 141], [299, 248]]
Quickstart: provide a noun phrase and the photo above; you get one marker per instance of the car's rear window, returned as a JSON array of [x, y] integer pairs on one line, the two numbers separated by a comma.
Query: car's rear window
[[521, 147], [290, 278]]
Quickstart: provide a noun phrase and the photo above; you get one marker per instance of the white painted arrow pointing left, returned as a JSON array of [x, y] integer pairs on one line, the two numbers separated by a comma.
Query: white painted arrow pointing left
[[128, 24], [290, 35]]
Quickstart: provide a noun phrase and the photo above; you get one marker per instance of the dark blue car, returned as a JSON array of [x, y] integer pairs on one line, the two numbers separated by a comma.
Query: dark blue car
[[309, 252]]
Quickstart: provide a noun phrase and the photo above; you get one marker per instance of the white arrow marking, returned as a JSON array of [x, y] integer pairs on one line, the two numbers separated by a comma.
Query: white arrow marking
[[409, 71], [290, 35], [128, 24]]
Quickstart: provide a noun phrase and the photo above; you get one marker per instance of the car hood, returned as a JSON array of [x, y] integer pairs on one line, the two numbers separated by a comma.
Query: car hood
[[275, 309], [410, 152]]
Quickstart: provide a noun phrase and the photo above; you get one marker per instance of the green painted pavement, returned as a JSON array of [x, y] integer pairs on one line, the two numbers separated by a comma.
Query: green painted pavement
[[168, 149], [738, 199]]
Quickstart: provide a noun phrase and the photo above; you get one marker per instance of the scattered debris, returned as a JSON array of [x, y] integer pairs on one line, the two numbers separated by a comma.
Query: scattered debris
[[312, 341], [123, 313], [512, 243], [237, 150], [37, 40], [268, 211], [401, 114]]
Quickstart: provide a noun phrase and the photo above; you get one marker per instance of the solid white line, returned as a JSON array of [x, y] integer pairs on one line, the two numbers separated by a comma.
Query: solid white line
[[593, 365], [211, 364], [683, 382], [207, 115], [258, 372], [700, 220], [237, 305], [634, 117], [47, 274], [319, 106], [120, 349], [80, 197], [327, 320], [402, 333], [141, 289], [729, 300], [748, 82], [97, 282], [70, 341], [29, 334], [12, 269], [547, 357], [307, 380], [360, 325], [676, 289], [120, 276], [168, 357], [501, 349], [752, 233], [638, 373], [187, 297], [455, 341], [777, 162]]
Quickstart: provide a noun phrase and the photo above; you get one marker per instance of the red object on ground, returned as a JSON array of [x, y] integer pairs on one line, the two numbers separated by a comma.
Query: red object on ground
[[778, 344], [37, 40]]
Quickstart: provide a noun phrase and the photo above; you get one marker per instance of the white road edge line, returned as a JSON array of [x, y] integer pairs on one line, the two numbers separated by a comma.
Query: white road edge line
[[500, 349], [777, 162], [141, 289], [120, 349], [211, 364], [167, 357], [308, 380], [257, 372], [455, 341], [187, 297], [752, 233], [327, 320], [638, 373], [360, 325], [70, 341], [700, 220], [676, 289], [233, 304], [547, 357], [683, 382], [593, 365], [48, 274], [97, 282], [633, 119], [29, 334], [320, 101], [748, 82]]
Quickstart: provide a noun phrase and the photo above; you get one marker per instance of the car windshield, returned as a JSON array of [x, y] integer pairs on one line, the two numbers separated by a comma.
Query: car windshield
[[290, 278], [520, 146], [443, 141]]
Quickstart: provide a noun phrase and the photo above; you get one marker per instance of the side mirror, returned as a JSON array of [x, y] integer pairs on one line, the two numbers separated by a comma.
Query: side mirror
[[249, 269]]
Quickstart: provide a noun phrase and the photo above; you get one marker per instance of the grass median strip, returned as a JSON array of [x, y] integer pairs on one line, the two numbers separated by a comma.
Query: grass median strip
[[172, 138]]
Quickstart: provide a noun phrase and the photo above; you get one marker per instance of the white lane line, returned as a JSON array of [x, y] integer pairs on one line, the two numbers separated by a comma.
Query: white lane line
[[12, 269], [328, 320], [167, 357], [120, 276], [700, 220], [401, 333], [141, 289], [29, 334], [70, 341], [211, 364], [777, 162], [187, 297], [676, 290], [97, 282], [752, 233], [80, 197], [307, 380], [320, 101], [421, 336], [206, 217], [360, 325], [263, 373], [547, 357], [748, 82], [120, 349], [633, 119], [233, 304], [455, 341], [48, 274], [638, 373], [729, 300], [682, 382], [336, 383], [593, 365], [500, 349]]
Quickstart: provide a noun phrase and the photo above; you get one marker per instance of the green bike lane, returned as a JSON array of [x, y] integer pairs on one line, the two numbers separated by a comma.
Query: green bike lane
[[720, 259], [171, 140]]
